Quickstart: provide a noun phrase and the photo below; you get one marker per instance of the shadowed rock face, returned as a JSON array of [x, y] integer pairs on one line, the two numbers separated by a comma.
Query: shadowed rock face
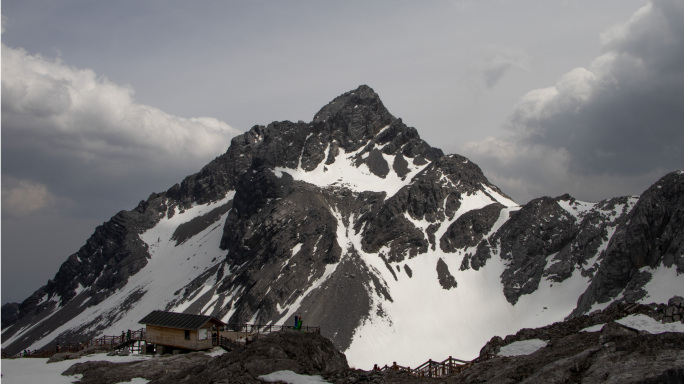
[[651, 235], [294, 245]]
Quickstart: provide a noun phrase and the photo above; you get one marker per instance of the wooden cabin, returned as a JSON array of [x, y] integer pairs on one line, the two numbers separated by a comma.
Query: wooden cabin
[[172, 330]]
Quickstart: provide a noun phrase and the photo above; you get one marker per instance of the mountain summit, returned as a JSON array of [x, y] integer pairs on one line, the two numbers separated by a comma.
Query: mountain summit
[[398, 252]]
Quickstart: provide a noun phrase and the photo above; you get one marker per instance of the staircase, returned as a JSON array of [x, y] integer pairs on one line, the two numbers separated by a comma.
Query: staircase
[[437, 369]]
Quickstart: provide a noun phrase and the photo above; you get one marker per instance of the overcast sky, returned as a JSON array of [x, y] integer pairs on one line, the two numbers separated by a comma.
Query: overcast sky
[[104, 103]]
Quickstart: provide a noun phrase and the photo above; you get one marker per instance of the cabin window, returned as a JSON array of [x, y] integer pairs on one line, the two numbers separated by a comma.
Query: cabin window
[[187, 334], [203, 334]]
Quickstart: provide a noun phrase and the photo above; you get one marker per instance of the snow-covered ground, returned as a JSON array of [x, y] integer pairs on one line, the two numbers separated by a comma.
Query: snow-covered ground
[[524, 347], [291, 378], [642, 323], [36, 371]]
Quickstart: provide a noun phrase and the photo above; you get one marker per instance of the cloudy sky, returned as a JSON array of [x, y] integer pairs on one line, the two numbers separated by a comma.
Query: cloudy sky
[[106, 102]]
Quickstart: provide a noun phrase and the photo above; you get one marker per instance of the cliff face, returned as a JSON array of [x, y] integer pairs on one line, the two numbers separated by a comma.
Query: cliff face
[[649, 238], [358, 225]]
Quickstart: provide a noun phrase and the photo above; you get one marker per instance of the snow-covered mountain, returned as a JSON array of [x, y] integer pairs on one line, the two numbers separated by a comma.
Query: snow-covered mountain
[[399, 252]]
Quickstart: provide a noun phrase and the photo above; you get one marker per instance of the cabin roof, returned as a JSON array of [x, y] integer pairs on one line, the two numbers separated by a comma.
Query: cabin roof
[[178, 320]]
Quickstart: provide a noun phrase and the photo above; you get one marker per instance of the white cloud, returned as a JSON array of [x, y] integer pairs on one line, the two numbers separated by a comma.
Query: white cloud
[[95, 117]]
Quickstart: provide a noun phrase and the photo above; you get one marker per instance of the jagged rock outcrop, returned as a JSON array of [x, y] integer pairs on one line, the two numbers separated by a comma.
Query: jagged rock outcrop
[[652, 234], [615, 354]]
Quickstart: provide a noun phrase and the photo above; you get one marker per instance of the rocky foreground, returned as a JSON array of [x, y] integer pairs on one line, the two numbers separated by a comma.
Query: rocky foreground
[[613, 354]]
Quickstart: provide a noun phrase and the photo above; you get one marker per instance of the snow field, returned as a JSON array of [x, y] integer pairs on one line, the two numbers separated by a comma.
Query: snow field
[[169, 264], [425, 321], [665, 283], [521, 348], [343, 173]]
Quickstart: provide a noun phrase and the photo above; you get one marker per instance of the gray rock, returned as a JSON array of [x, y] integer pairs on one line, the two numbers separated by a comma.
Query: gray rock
[[446, 279], [57, 357], [652, 234], [469, 229], [676, 301], [617, 354]]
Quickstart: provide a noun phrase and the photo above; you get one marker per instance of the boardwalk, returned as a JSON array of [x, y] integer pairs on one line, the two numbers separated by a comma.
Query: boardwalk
[[232, 337]]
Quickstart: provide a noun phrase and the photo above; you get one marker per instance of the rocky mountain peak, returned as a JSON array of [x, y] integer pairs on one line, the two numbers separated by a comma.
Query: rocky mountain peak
[[360, 101], [352, 221], [355, 117]]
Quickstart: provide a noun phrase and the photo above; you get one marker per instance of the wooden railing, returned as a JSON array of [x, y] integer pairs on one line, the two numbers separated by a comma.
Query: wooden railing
[[114, 341], [230, 344], [435, 369], [107, 341], [263, 329], [130, 337]]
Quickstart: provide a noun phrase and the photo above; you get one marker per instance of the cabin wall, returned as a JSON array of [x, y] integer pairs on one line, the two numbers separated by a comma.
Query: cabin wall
[[176, 338]]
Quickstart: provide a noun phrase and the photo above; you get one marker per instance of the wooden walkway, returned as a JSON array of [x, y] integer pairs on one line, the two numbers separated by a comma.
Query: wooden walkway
[[134, 339], [437, 369], [265, 328], [131, 339], [251, 333]]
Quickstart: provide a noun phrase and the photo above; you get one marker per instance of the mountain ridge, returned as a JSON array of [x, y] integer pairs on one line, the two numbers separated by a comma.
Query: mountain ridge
[[351, 220]]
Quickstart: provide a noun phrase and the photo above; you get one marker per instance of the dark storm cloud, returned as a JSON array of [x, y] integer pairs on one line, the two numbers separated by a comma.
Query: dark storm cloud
[[606, 130], [625, 115]]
